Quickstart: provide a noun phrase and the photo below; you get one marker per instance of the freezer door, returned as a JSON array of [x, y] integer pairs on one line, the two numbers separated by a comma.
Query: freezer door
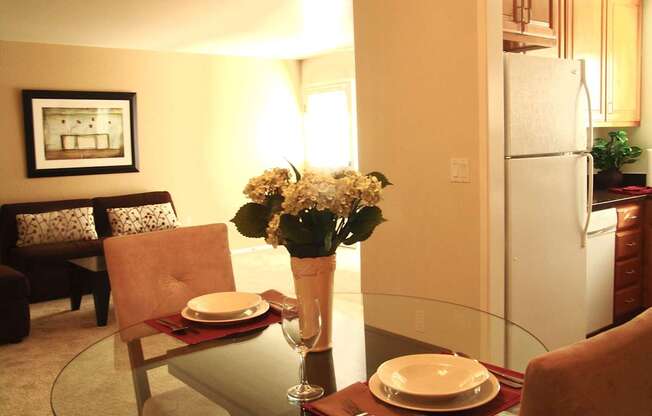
[[546, 262], [546, 106]]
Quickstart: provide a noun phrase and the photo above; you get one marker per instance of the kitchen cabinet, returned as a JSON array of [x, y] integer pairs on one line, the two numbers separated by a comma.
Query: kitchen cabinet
[[647, 263], [530, 24], [607, 35], [623, 62], [628, 277]]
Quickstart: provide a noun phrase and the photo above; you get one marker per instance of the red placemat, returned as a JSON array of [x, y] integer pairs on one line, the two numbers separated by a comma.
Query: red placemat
[[332, 405], [632, 190], [212, 332]]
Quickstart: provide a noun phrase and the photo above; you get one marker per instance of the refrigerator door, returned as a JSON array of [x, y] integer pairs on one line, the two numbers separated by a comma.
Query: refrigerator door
[[546, 260], [546, 106]]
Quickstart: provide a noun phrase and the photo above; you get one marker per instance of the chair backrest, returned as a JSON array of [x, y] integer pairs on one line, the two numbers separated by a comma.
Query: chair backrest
[[155, 274], [608, 374]]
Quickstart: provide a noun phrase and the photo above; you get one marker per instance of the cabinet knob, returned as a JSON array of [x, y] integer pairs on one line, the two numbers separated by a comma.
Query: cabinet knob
[[633, 217], [632, 244], [630, 272], [630, 300]]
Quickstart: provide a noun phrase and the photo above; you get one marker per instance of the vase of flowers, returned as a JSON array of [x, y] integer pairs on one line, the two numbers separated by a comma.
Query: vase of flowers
[[311, 215]]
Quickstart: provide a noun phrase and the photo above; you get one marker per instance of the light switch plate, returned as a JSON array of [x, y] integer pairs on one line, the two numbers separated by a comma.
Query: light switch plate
[[460, 170]]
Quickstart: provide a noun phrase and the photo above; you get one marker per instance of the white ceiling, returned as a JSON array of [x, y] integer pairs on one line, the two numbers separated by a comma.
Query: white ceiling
[[289, 29]]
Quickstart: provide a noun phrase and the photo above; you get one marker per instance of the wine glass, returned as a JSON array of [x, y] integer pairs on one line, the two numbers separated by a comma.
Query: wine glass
[[301, 328]]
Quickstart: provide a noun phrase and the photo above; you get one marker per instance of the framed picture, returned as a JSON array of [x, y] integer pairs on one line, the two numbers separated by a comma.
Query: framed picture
[[79, 132]]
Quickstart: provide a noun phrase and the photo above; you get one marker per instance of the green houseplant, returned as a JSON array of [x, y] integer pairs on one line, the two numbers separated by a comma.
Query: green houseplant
[[311, 216], [609, 155]]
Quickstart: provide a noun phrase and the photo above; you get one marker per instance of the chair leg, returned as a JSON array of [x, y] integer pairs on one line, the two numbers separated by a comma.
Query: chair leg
[[138, 374], [76, 288]]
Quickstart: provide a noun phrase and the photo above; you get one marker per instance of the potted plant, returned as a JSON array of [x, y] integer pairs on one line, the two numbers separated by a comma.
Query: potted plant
[[311, 216], [609, 155]]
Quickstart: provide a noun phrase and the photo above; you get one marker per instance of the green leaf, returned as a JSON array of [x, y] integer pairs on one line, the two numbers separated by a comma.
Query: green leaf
[[251, 220], [293, 230], [362, 224], [381, 178], [274, 203], [328, 241], [296, 171], [615, 152]]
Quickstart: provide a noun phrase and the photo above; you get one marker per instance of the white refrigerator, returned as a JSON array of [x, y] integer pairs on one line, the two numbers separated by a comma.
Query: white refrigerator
[[548, 171]]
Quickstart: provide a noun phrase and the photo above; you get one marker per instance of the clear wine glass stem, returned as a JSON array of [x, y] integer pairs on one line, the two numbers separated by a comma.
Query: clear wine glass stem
[[302, 368]]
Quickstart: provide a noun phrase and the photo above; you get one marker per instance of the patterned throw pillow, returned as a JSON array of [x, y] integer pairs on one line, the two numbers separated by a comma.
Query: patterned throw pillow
[[134, 220], [56, 226]]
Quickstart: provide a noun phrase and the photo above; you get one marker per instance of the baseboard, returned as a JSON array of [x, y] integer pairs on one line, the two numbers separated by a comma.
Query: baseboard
[[251, 249]]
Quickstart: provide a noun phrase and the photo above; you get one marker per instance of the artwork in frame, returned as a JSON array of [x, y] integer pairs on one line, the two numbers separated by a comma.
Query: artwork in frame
[[79, 132]]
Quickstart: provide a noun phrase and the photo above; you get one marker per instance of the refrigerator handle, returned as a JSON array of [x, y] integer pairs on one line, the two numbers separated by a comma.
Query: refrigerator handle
[[589, 198], [589, 134]]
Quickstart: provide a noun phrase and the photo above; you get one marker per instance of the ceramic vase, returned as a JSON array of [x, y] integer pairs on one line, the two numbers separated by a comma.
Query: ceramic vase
[[313, 279]]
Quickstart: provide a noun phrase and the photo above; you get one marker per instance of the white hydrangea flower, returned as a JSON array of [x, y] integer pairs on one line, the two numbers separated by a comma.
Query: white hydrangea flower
[[270, 182], [273, 232]]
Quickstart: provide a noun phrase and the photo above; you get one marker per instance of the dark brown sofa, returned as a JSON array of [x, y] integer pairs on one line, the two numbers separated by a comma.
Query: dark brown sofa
[[45, 264]]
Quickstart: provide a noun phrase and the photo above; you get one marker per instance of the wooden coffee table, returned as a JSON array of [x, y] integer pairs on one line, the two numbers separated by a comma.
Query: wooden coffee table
[[93, 268]]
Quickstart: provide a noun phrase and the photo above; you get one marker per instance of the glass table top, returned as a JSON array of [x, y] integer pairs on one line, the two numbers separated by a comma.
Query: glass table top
[[250, 373]]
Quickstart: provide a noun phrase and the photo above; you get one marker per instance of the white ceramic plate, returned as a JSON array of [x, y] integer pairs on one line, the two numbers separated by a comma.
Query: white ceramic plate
[[477, 397], [223, 305], [432, 375], [255, 312]]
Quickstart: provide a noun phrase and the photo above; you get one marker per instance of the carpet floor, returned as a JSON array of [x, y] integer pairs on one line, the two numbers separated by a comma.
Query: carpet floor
[[28, 369]]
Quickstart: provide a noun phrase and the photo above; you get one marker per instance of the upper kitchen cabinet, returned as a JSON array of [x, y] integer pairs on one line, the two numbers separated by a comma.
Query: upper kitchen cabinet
[[607, 35], [624, 62], [529, 24]]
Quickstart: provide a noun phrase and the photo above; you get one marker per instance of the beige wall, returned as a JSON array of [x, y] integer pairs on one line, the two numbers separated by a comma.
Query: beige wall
[[205, 123], [330, 68], [422, 100]]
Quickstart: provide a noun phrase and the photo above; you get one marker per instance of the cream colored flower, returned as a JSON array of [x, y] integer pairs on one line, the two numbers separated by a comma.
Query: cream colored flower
[[270, 182], [336, 192], [273, 231]]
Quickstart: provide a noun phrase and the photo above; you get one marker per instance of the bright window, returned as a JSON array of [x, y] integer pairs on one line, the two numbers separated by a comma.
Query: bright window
[[329, 127]]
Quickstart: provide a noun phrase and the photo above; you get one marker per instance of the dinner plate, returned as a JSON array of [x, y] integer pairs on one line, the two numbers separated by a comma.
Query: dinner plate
[[223, 305], [432, 375], [255, 312], [482, 394]]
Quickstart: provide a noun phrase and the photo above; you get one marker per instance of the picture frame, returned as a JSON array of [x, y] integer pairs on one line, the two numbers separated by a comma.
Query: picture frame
[[79, 132]]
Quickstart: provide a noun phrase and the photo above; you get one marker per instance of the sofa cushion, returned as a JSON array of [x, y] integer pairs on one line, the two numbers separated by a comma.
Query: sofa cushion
[[8, 212], [145, 218], [56, 226], [13, 284], [57, 251], [100, 205]]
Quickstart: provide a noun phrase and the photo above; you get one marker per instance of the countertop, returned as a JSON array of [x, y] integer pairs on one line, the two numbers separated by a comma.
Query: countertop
[[603, 199]]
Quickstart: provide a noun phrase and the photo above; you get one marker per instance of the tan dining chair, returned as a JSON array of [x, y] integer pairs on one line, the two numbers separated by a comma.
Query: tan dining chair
[[155, 274], [609, 374]]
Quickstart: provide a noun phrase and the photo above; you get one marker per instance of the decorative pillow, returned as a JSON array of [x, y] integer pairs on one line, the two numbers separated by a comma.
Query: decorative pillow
[[56, 226], [135, 220]]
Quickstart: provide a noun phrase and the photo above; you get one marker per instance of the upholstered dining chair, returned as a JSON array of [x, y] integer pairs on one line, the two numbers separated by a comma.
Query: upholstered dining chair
[[609, 374], [154, 274]]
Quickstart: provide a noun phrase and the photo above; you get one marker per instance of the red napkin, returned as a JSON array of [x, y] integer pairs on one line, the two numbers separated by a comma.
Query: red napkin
[[632, 190], [359, 393], [212, 332]]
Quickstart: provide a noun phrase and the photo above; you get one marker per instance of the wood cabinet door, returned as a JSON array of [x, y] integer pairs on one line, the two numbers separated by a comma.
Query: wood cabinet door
[[512, 16], [587, 40], [623, 62], [539, 17]]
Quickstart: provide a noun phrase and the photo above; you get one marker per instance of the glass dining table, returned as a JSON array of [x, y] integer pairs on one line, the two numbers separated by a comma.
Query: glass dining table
[[249, 374]]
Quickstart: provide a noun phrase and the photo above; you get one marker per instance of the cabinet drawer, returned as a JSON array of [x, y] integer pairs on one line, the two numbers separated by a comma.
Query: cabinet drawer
[[629, 216], [627, 300], [628, 243], [628, 272]]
